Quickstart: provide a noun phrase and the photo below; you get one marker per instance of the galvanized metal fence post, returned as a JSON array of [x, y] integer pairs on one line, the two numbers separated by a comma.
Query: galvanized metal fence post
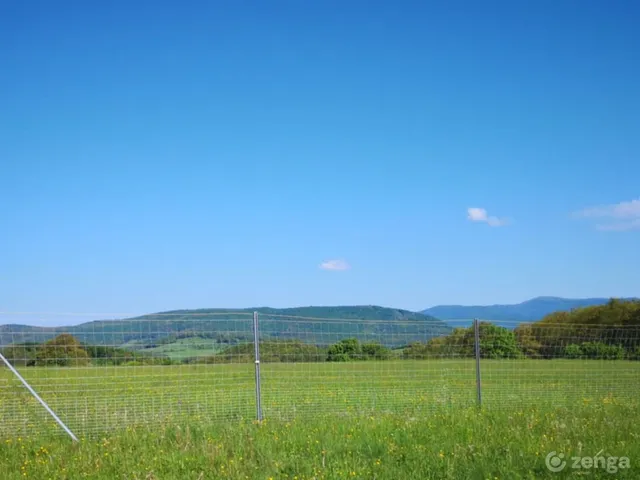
[[476, 330], [256, 342], [37, 397]]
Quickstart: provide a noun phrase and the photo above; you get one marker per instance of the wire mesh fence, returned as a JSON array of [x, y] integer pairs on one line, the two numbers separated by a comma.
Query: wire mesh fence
[[315, 366], [181, 367], [560, 364], [99, 376]]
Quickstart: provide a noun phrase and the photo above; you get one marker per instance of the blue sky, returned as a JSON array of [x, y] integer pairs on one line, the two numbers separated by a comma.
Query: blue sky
[[216, 154]]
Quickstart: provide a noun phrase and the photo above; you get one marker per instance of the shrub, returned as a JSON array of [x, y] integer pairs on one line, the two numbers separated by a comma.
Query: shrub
[[594, 350], [351, 349], [21, 354], [497, 342], [344, 350], [376, 351], [573, 351], [603, 351], [634, 354]]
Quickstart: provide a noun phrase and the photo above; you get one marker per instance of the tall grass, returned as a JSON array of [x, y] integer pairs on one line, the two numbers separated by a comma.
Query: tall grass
[[465, 444], [388, 419]]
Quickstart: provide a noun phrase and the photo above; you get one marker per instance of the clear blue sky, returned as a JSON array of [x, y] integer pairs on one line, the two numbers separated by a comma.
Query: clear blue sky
[[161, 155]]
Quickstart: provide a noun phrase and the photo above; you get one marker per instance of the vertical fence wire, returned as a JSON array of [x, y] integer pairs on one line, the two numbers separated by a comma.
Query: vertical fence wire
[[476, 331], [256, 342]]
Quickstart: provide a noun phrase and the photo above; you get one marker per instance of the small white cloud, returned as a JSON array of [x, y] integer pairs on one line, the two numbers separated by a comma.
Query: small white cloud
[[620, 226], [476, 214], [626, 214], [616, 210], [336, 265]]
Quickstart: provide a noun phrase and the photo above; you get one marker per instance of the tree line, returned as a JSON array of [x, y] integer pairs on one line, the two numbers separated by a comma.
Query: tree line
[[296, 351], [610, 331], [65, 350]]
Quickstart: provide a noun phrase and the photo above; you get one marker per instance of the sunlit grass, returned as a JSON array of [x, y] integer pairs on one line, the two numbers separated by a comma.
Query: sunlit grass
[[468, 443], [386, 419], [92, 400]]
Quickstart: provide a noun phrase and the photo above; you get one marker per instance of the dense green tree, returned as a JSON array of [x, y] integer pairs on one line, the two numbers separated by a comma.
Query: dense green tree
[[527, 341], [351, 349], [497, 342], [63, 351], [375, 351], [344, 350]]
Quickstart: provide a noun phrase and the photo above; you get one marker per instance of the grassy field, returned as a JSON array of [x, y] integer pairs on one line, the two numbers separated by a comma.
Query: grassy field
[[386, 419], [184, 348]]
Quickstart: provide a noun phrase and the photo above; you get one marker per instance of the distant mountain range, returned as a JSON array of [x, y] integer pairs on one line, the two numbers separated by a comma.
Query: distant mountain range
[[320, 325], [531, 310]]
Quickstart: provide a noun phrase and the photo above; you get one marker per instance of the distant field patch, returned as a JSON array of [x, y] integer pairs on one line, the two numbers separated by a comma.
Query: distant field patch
[[183, 348]]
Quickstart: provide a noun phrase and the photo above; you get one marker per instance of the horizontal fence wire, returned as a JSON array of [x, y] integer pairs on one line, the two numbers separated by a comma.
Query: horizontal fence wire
[[199, 366]]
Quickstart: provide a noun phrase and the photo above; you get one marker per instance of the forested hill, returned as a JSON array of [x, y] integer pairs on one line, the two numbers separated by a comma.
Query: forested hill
[[604, 332], [311, 324], [529, 311], [614, 313]]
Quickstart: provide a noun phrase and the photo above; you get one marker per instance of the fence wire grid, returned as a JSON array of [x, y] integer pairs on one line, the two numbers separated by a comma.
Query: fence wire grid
[[201, 367]]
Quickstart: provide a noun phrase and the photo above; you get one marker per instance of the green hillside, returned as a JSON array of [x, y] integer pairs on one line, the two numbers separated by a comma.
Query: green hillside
[[319, 325], [609, 331], [530, 311]]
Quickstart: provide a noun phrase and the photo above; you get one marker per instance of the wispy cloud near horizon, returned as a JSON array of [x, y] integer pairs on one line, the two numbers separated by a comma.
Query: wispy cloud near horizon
[[624, 216], [476, 214], [335, 265]]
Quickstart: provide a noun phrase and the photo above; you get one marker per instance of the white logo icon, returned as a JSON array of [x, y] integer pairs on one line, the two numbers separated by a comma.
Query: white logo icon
[[554, 461]]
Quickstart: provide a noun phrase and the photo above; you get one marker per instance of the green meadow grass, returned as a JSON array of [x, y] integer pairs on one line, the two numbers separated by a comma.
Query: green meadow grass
[[185, 348], [465, 444], [385, 419]]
